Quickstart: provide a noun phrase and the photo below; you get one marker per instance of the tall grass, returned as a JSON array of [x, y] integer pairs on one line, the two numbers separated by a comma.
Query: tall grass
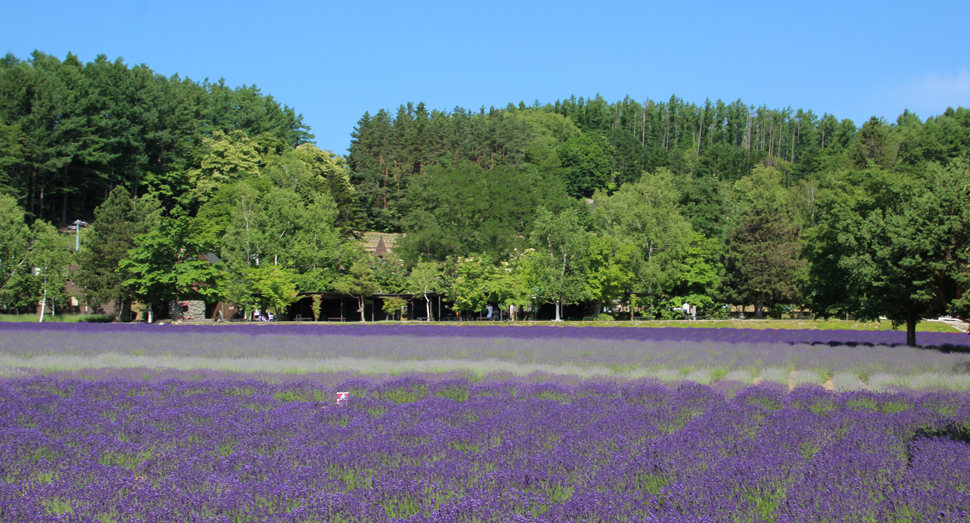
[[770, 323]]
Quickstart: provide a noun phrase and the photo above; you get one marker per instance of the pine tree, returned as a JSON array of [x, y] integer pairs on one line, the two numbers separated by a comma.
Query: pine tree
[[118, 221]]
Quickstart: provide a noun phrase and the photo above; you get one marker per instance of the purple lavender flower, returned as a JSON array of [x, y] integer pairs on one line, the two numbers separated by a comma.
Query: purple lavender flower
[[410, 449]]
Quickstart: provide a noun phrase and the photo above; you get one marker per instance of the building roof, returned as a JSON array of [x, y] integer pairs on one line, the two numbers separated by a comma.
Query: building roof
[[212, 258], [380, 243]]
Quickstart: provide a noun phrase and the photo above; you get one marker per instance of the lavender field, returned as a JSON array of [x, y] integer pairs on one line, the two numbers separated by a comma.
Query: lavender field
[[411, 450], [118, 423]]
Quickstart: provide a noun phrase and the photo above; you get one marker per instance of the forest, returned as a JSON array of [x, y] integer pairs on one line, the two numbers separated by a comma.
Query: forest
[[582, 200]]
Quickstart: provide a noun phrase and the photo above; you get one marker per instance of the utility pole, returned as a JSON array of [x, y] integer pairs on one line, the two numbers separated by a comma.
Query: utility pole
[[77, 234]]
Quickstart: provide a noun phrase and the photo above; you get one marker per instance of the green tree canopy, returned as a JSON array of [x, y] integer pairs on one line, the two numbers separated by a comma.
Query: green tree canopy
[[762, 193], [465, 209], [892, 245], [118, 222], [508, 284], [333, 172], [276, 286], [646, 215], [610, 274], [425, 278], [586, 160], [70, 132], [762, 261], [558, 270], [14, 235], [166, 263], [468, 282], [359, 283], [225, 159], [700, 281]]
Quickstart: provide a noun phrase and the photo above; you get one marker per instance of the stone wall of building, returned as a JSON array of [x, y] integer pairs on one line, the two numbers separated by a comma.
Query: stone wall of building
[[193, 309]]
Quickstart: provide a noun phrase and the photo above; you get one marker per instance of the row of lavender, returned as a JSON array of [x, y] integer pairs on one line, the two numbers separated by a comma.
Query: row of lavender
[[791, 336], [414, 450], [701, 355]]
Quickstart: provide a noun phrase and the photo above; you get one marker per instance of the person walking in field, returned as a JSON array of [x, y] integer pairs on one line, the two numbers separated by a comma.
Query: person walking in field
[[693, 312], [686, 309]]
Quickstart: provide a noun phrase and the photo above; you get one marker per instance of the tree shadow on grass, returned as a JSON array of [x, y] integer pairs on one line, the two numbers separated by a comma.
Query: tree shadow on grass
[[945, 348]]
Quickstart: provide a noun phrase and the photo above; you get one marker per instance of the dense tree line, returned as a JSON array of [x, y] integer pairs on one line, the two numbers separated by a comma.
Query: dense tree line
[[71, 132], [168, 170], [713, 203], [646, 205], [600, 145]]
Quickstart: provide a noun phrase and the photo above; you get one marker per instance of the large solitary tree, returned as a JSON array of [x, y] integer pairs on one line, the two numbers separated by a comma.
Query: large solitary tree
[[893, 245]]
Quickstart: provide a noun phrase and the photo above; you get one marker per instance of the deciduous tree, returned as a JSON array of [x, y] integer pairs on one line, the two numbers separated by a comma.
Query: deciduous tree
[[559, 267], [645, 214], [359, 283], [609, 274], [276, 287], [49, 257], [508, 283], [14, 234], [700, 281], [424, 280], [226, 158], [166, 265], [893, 245], [468, 283]]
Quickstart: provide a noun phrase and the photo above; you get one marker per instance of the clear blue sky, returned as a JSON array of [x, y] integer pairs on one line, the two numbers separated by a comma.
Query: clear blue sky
[[332, 61]]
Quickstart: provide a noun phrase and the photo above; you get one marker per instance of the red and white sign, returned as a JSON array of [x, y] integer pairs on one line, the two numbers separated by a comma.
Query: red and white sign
[[342, 398]]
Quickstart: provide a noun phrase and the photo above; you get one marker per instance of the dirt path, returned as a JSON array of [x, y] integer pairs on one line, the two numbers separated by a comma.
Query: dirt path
[[962, 326], [828, 385]]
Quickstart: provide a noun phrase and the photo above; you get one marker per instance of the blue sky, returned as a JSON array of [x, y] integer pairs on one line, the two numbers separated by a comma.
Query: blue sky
[[332, 61]]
